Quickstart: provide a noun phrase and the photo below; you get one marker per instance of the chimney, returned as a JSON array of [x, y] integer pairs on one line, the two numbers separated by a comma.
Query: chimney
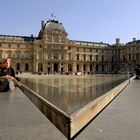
[[117, 41], [134, 39], [32, 37]]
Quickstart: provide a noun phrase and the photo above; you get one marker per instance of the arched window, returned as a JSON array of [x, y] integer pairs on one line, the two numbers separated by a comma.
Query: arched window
[[26, 67], [77, 56], [97, 67], [77, 67], [69, 67], [40, 67], [84, 67], [90, 68], [18, 66], [55, 67]]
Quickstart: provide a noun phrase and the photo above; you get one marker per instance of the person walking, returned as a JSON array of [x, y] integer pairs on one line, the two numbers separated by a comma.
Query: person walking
[[137, 72]]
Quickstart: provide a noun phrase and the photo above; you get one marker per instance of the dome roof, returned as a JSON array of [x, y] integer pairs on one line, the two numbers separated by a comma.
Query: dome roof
[[54, 25]]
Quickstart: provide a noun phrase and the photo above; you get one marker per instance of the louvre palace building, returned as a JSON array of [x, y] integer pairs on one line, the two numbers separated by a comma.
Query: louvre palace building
[[53, 52]]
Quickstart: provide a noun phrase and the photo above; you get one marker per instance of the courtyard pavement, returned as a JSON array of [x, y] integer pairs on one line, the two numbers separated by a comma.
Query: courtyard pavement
[[120, 120]]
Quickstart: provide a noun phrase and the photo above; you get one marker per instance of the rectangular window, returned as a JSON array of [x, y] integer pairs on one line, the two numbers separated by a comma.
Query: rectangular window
[[97, 67], [62, 39], [102, 58], [9, 45], [49, 39], [56, 38], [129, 57], [102, 67], [77, 67], [84, 57], [18, 54], [87, 50], [137, 56], [90, 57], [55, 56], [77, 57], [97, 57], [112, 59], [62, 56]]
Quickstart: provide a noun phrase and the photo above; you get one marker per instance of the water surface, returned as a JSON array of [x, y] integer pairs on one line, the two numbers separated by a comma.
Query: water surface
[[69, 93]]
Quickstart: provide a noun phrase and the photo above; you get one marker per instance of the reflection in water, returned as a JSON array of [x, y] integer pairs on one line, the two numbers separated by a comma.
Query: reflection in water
[[70, 93]]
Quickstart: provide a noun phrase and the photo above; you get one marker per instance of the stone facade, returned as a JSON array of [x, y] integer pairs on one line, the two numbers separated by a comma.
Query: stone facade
[[52, 52]]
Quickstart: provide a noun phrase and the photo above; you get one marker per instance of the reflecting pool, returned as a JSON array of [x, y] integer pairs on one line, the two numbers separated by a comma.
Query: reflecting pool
[[69, 93]]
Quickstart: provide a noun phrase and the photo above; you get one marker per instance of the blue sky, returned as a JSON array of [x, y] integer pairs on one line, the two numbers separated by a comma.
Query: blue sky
[[85, 20]]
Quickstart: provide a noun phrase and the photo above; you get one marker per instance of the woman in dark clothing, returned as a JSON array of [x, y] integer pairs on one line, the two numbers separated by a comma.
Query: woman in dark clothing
[[8, 70], [8, 74]]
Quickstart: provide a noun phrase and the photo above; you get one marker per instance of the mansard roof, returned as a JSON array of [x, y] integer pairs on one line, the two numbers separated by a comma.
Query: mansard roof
[[88, 43], [134, 42], [17, 38]]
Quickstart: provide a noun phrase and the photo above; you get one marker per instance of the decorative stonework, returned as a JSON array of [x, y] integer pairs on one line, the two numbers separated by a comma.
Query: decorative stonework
[[52, 48]]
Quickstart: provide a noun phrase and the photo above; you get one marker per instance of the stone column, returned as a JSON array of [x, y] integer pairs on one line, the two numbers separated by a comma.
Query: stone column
[[52, 39], [74, 67], [59, 56], [46, 57], [52, 56], [36, 67], [59, 66], [66, 67], [44, 67]]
